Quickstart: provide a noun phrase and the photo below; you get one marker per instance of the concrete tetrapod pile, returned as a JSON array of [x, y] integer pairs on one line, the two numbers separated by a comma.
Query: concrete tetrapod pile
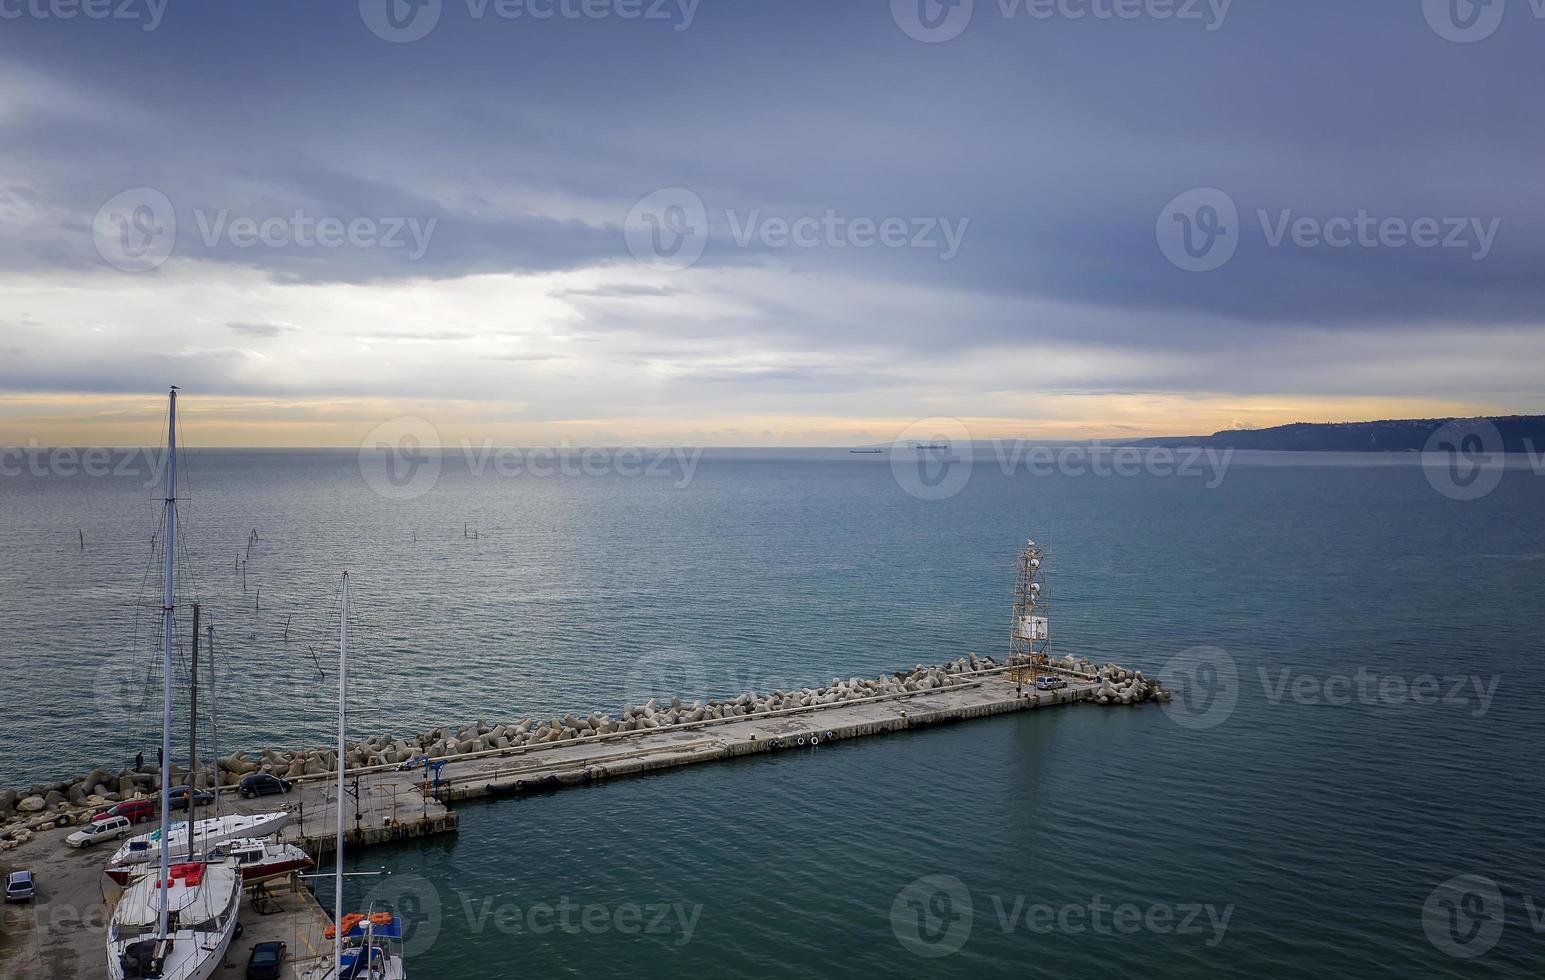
[[1118, 685]]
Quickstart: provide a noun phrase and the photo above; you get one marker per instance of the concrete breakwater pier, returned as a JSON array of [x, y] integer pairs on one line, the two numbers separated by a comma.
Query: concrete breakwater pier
[[62, 934], [65, 802]]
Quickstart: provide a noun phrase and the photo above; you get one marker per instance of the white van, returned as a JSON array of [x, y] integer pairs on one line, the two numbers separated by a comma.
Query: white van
[[113, 828]]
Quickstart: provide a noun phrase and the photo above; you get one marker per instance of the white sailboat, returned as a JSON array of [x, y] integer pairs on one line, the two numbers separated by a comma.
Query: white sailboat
[[178, 932], [260, 860], [368, 945], [207, 833], [178, 923]]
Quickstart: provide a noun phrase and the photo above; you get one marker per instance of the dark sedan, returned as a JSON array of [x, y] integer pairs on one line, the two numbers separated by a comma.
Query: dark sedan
[[266, 961], [263, 784], [177, 797]]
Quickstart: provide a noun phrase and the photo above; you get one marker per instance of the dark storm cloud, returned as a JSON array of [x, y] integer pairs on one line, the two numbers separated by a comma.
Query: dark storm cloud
[[1057, 142]]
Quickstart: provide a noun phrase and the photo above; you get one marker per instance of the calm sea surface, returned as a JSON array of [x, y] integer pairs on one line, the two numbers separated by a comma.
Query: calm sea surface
[[1299, 832]]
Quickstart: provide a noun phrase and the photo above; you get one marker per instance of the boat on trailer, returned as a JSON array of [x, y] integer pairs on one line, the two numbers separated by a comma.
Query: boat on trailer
[[258, 860], [206, 834]]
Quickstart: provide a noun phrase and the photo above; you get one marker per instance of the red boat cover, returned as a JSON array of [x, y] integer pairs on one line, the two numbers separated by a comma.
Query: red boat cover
[[189, 874]]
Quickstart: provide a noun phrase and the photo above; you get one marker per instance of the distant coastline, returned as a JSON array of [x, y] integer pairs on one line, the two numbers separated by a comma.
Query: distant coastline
[[1519, 433]]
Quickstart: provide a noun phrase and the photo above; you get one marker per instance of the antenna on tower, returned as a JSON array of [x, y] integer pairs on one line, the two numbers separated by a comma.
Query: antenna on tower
[[1030, 641]]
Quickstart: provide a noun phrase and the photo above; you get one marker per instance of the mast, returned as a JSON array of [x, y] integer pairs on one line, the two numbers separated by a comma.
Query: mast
[[168, 607], [214, 721], [343, 710], [193, 740]]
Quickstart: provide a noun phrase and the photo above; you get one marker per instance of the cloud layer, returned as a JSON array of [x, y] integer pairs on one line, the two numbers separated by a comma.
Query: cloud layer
[[877, 228]]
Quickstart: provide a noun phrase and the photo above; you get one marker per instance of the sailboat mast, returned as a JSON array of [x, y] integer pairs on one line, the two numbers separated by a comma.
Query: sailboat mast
[[193, 769], [169, 540], [214, 720], [343, 713]]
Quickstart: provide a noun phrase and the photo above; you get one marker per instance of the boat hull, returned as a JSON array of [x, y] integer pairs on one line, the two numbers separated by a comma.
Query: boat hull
[[252, 874], [200, 968], [145, 848]]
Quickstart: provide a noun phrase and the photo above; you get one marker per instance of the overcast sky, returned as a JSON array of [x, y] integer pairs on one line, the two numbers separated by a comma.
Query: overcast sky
[[755, 222]]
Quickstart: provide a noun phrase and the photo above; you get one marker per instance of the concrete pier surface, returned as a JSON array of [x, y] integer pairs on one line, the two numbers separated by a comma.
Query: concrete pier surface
[[586, 760], [62, 934]]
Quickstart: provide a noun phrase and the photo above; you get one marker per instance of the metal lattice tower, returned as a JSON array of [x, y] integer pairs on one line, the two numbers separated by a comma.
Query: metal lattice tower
[[1030, 641]]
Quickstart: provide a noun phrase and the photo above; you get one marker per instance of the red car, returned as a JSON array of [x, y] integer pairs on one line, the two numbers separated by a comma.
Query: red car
[[137, 811]]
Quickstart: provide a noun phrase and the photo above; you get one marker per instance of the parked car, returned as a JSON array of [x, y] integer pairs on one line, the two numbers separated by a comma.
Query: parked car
[[1049, 683], [177, 797], [21, 886], [265, 961], [135, 811], [112, 828], [263, 784]]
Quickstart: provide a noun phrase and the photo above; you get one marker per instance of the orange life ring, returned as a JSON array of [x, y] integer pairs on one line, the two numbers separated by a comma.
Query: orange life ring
[[355, 918], [349, 922]]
